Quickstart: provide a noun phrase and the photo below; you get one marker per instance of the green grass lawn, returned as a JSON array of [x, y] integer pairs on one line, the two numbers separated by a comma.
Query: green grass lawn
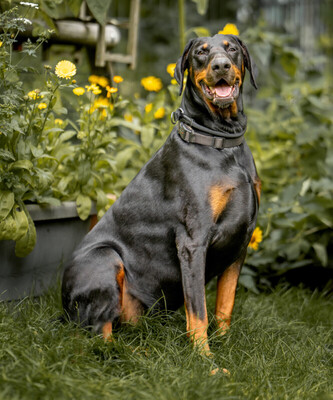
[[279, 347]]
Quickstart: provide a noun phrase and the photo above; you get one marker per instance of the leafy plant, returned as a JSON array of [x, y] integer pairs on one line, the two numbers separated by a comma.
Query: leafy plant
[[290, 132]]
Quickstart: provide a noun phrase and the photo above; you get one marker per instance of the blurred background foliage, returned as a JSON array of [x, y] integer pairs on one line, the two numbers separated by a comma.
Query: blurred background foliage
[[289, 118]]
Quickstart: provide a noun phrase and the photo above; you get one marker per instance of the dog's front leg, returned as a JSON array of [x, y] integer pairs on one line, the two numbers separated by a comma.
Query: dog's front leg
[[192, 263], [225, 295]]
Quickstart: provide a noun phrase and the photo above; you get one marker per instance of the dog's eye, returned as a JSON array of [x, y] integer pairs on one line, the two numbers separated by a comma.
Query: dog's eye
[[232, 49], [201, 52]]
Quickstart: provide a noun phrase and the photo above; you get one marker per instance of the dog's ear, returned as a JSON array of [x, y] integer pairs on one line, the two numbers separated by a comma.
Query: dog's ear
[[249, 63], [182, 65]]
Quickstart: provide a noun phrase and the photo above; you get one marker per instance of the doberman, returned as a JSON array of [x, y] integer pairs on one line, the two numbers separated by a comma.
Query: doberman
[[187, 216]]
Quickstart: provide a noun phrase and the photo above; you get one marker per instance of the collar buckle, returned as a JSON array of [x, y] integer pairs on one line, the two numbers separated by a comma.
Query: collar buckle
[[186, 132]]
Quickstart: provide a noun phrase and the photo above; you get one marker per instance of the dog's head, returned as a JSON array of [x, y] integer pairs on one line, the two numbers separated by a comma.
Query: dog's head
[[216, 69]]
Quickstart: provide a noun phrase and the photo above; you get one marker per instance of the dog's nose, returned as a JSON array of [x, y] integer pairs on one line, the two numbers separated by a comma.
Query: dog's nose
[[221, 64]]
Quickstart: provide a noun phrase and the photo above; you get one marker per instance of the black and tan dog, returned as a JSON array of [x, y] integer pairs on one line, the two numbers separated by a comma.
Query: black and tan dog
[[188, 215]]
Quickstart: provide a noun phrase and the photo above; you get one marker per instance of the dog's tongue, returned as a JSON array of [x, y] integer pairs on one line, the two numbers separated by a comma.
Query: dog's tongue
[[223, 90]]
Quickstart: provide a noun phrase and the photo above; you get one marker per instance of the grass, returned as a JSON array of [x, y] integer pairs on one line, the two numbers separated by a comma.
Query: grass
[[279, 347]]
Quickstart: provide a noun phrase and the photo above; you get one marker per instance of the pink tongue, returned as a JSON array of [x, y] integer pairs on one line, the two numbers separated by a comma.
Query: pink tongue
[[223, 90]]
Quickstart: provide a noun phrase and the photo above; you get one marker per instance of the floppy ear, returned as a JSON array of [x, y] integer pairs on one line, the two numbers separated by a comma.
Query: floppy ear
[[182, 65], [249, 63]]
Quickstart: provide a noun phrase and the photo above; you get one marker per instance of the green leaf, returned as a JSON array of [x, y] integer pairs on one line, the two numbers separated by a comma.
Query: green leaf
[[248, 282], [25, 244], [321, 253], [83, 206], [6, 155], [124, 156], [21, 164], [147, 136], [99, 9], [202, 6], [7, 228], [7, 200], [21, 222]]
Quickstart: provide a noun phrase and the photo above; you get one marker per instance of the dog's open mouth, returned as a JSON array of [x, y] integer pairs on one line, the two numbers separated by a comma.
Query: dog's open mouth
[[221, 94]]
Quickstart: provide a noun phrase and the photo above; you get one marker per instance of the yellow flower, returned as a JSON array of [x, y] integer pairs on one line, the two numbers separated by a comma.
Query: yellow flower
[[171, 69], [73, 82], [256, 239], [102, 81], [159, 113], [229, 29], [41, 106], [117, 79], [79, 91], [34, 94], [100, 104], [110, 90], [1, 44], [65, 69], [128, 117], [174, 82], [58, 121], [93, 88], [151, 83], [148, 107], [93, 79]]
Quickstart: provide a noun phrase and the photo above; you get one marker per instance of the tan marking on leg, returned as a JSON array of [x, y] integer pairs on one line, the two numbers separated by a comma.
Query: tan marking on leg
[[225, 296], [132, 309], [197, 330], [187, 320], [218, 198], [107, 331], [120, 281]]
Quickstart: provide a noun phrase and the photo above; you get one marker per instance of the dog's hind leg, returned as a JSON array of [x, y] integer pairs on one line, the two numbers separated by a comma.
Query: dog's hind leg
[[92, 289], [225, 296]]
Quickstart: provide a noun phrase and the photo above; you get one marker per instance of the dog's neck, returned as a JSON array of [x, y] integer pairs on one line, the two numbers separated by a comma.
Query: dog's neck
[[228, 119]]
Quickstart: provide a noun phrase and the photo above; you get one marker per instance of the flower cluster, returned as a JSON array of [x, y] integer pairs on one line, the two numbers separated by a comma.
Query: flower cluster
[[152, 84]]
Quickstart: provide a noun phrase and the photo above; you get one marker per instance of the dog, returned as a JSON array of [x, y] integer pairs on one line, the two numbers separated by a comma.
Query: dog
[[188, 215]]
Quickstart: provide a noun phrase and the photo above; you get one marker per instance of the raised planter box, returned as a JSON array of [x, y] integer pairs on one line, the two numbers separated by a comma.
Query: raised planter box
[[59, 231]]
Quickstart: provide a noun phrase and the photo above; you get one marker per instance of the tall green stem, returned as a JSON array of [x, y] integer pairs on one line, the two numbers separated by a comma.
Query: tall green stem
[[181, 16]]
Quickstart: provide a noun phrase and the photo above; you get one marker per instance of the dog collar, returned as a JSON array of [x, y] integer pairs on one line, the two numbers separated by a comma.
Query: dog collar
[[192, 132]]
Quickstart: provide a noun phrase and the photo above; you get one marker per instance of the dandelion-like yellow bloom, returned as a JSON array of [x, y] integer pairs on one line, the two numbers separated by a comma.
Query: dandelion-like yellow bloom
[[174, 82], [117, 79], [151, 83], [94, 88], [148, 107], [41, 106], [110, 90], [65, 69], [159, 113], [58, 121], [229, 29], [128, 117], [171, 69], [256, 239], [1, 43], [103, 81], [100, 104], [79, 91], [35, 94], [93, 79]]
